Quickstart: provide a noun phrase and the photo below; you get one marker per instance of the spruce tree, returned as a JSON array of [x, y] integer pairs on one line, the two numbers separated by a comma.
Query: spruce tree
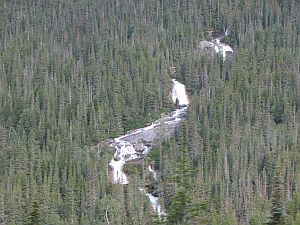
[[278, 213]]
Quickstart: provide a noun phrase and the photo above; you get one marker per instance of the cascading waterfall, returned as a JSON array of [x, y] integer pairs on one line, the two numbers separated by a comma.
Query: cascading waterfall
[[136, 144], [151, 170], [217, 46]]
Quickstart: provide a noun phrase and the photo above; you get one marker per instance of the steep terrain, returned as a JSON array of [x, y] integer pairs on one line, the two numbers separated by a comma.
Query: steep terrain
[[77, 73]]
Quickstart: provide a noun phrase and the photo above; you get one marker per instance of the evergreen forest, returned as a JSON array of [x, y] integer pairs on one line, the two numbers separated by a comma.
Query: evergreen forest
[[76, 73]]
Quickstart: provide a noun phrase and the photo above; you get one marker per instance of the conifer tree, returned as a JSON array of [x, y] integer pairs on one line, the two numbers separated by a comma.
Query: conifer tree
[[278, 209]]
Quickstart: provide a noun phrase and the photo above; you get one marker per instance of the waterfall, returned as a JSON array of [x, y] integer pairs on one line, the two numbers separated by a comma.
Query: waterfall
[[136, 144]]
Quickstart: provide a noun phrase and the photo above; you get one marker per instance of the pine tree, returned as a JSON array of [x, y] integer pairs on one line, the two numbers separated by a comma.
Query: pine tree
[[277, 211], [33, 217], [178, 207]]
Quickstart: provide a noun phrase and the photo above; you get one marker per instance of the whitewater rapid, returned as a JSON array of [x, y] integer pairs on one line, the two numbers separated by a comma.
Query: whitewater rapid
[[217, 46], [136, 144]]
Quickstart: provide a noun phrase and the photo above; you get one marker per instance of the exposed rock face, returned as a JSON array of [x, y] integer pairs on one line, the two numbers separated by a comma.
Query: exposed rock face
[[135, 145], [205, 45], [139, 147]]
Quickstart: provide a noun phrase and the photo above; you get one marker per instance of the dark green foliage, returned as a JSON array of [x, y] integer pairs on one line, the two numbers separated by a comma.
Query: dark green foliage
[[154, 155], [133, 169], [34, 215], [177, 209], [75, 73], [278, 209], [294, 207]]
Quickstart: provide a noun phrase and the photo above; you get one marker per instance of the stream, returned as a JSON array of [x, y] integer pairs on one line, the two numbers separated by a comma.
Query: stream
[[135, 145]]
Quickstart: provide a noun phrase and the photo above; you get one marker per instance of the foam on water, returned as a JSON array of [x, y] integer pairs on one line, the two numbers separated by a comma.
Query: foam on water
[[126, 150]]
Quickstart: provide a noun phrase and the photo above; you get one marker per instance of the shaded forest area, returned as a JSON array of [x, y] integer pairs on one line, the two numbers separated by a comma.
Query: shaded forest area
[[75, 73]]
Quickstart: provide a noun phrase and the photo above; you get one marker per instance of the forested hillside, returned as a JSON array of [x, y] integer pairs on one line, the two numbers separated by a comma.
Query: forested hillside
[[74, 73]]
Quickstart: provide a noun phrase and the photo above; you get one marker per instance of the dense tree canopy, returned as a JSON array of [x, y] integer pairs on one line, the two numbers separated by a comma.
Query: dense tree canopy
[[74, 73]]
